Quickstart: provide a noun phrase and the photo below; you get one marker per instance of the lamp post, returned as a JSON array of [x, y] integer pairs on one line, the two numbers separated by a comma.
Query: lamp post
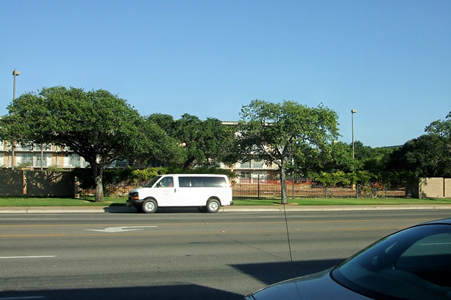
[[15, 74], [352, 113], [353, 160]]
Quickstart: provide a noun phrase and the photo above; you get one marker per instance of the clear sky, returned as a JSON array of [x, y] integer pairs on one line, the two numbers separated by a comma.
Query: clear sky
[[388, 59]]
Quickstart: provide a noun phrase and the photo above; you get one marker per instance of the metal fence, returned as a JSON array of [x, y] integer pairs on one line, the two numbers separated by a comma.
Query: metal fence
[[306, 188]]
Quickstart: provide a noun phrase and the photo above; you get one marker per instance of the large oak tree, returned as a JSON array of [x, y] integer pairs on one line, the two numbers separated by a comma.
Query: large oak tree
[[282, 133], [97, 125]]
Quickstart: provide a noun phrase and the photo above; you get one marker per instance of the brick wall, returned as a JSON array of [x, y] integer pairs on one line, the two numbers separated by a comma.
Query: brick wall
[[433, 187]]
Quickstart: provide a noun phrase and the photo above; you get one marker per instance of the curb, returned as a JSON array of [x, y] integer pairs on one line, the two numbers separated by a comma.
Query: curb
[[125, 209]]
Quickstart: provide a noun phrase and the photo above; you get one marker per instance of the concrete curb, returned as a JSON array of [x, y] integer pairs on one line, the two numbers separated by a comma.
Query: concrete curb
[[334, 207], [279, 208]]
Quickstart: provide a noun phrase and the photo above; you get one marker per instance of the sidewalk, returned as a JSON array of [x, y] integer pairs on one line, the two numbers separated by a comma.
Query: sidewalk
[[124, 209]]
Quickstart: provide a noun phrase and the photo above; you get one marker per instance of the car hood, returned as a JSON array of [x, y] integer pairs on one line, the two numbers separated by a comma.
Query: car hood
[[139, 189], [316, 286]]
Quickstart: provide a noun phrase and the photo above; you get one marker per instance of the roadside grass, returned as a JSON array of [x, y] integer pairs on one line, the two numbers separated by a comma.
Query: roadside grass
[[120, 201], [16, 201]]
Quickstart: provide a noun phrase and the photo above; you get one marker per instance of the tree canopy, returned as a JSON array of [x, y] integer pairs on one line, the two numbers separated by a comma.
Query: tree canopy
[[280, 133], [96, 125], [204, 142], [428, 155]]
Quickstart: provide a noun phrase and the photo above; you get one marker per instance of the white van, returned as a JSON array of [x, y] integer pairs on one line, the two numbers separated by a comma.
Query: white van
[[207, 192]]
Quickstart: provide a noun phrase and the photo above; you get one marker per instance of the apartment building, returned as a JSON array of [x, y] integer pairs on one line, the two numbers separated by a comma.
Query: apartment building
[[38, 157], [41, 157]]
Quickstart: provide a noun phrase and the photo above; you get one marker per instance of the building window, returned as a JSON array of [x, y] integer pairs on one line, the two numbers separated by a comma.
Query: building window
[[257, 164], [24, 159], [74, 161], [262, 175], [71, 161], [245, 165], [47, 159]]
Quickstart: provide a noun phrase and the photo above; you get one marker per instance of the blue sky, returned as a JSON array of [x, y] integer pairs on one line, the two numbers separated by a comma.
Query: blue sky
[[388, 59]]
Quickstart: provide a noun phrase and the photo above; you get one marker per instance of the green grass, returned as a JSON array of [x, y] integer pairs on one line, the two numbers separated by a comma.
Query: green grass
[[109, 201], [12, 201]]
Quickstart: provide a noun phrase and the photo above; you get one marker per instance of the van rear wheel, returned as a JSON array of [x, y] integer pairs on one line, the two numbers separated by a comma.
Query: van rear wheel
[[213, 206], [149, 206]]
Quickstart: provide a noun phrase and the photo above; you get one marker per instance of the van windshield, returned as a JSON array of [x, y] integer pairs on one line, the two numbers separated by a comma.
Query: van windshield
[[152, 182]]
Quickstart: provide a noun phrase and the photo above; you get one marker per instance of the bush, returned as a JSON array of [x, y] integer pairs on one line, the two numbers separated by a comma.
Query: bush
[[147, 174]]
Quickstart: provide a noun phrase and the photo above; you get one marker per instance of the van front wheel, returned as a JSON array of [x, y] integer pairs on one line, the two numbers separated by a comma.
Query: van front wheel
[[213, 206], [149, 206]]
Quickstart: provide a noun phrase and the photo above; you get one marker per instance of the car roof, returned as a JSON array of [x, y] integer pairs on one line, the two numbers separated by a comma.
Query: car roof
[[446, 221], [194, 175]]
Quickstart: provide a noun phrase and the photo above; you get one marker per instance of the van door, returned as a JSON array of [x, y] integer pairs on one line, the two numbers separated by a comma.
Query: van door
[[165, 191], [193, 191]]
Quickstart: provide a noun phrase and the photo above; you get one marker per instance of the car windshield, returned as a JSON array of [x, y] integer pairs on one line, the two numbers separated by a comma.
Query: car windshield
[[152, 181], [411, 264]]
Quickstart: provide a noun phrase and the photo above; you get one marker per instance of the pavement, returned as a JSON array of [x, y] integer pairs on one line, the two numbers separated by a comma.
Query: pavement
[[232, 208]]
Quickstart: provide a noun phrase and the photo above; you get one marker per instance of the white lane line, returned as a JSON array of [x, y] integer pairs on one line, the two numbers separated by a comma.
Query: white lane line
[[34, 256], [120, 229], [29, 297]]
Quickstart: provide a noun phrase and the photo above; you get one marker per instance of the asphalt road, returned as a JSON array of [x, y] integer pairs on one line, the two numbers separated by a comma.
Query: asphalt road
[[179, 254]]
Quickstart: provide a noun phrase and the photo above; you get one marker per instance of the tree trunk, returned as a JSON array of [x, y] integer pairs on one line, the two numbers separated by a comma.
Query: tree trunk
[[97, 171], [187, 164], [283, 184]]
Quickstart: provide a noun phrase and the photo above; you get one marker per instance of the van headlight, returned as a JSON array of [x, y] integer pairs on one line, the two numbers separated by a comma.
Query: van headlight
[[133, 196]]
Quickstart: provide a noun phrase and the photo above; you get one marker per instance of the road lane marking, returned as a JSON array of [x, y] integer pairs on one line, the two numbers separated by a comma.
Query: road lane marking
[[244, 231], [120, 229], [25, 298], [30, 256]]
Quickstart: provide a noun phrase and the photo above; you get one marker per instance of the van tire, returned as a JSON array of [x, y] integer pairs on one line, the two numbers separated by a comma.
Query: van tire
[[213, 206], [149, 206]]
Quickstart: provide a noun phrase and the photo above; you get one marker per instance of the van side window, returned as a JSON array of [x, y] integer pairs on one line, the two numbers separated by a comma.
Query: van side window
[[186, 181], [215, 182]]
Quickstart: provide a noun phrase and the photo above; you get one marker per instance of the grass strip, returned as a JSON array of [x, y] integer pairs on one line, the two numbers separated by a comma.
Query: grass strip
[[25, 202]]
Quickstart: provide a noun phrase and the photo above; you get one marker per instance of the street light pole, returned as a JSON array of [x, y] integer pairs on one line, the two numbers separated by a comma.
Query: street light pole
[[353, 160], [15, 73], [352, 113]]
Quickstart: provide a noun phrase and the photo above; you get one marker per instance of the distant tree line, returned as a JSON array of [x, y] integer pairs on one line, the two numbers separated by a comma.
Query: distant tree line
[[300, 140]]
